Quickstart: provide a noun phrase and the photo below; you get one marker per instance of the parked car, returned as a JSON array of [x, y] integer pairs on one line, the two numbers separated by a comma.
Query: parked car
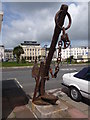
[[78, 84]]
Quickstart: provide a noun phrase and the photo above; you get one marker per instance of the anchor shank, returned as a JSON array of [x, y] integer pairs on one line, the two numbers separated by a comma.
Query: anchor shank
[[57, 31]]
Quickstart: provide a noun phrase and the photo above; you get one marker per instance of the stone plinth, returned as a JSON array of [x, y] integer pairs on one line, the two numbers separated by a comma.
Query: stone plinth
[[63, 109], [51, 111]]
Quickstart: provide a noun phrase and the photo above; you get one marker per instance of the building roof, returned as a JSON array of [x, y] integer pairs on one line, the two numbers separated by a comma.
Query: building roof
[[34, 43], [8, 50], [1, 45], [1, 15]]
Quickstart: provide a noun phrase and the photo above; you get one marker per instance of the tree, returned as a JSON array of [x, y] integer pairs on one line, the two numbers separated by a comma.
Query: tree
[[18, 50], [39, 57], [23, 60]]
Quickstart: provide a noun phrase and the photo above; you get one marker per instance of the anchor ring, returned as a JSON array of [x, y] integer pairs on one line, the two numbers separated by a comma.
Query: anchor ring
[[56, 20]]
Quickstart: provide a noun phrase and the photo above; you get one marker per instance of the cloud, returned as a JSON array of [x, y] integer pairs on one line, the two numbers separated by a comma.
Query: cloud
[[79, 28], [35, 21]]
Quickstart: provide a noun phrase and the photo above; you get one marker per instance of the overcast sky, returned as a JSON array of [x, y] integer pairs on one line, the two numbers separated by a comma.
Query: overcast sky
[[35, 21]]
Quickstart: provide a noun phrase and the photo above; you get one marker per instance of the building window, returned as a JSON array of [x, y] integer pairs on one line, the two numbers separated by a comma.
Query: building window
[[27, 58], [36, 57], [30, 58], [33, 57]]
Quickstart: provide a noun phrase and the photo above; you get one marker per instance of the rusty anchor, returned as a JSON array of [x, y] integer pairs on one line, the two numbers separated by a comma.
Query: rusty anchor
[[41, 74]]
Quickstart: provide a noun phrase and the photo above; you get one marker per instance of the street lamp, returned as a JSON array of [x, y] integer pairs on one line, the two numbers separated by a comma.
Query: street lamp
[[1, 19], [45, 46], [70, 53]]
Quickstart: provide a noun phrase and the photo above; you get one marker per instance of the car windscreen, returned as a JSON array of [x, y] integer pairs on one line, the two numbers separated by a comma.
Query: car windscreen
[[81, 74]]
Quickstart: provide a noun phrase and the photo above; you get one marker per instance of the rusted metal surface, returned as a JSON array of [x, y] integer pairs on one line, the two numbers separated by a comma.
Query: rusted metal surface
[[43, 73], [35, 70], [49, 98], [65, 39]]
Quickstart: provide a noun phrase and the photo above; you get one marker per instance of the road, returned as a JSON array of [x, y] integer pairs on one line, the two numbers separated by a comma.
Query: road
[[23, 75]]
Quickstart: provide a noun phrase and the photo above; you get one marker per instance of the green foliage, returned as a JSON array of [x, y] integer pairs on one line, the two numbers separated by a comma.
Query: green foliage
[[39, 57], [18, 50], [70, 59], [23, 60], [15, 64]]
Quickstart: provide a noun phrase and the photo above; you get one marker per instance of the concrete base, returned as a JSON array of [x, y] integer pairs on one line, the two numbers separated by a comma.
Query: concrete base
[[51, 111], [63, 109]]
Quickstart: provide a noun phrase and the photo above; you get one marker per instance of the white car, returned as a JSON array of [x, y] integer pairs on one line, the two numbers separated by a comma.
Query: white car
[[78, 84]]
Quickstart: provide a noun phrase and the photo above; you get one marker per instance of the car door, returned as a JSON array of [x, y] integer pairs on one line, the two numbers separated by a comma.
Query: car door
[[82, 84], [87, 78]]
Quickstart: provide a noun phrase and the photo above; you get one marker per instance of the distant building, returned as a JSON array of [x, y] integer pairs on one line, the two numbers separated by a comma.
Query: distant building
[[78, 53], [1, 53], [8, 53], [32, 50], [45, 51]]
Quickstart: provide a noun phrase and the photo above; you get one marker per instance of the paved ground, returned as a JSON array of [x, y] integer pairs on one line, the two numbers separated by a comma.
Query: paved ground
[[14, 101], [24, 111], [73, 110], [83, 106]]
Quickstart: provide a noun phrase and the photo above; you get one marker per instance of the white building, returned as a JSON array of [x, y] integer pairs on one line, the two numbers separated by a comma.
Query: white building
[[8, 53], [77, 52], [1, 53], [32, 50], [45, 51]]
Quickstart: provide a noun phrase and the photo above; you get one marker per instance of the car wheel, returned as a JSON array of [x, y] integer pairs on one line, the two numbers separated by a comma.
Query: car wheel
[[75, 94]]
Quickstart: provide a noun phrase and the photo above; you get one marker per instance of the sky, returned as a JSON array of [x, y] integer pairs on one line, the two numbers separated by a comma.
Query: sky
[[24, 21]]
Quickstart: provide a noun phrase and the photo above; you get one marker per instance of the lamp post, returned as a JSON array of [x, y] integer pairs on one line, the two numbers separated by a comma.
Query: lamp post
[[45, 46], [1, 19], [70, 53]]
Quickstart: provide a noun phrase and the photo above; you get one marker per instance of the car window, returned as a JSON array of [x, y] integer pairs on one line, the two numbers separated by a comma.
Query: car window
[[83, 74], [87, 77]]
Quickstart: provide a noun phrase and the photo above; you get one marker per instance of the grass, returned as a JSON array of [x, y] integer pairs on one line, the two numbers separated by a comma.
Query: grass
[[14, 64], [72, 62]]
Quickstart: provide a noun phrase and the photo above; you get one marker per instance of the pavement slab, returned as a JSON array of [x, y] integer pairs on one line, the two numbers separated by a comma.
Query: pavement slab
[[66, 107], [75, 113], [12, 115], [18, 106], [23, 112], [50, 111]]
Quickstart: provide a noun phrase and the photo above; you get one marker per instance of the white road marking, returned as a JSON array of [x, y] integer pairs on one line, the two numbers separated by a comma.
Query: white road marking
[[19, 83], [68, 69]]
